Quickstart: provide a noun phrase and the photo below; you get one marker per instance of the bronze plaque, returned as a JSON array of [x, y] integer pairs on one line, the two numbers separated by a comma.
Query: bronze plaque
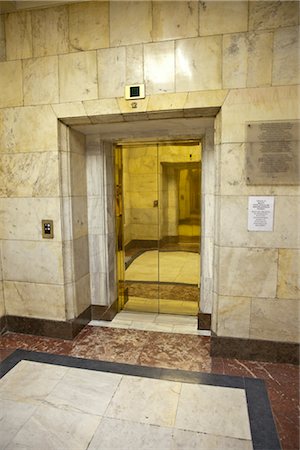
[[273, 153]]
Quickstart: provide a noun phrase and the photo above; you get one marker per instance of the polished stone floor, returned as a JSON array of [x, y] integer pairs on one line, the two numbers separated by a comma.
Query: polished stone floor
[[165, 350]]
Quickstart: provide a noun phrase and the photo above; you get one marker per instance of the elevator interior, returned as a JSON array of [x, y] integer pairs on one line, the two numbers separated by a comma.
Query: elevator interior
[[158, 209]]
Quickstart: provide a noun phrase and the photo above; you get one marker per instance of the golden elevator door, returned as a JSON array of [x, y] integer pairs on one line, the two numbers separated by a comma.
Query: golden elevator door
[[161, 194]]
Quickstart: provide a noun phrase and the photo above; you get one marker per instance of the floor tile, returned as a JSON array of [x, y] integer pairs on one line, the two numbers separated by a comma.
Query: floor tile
[[145, 400], [214, 410], [13, 416], [84, 391], [30, 381], [189, 440], [51, 428], [114, 434]]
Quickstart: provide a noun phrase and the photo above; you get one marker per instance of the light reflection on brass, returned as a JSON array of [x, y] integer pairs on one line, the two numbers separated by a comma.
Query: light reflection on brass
[[158, 208]]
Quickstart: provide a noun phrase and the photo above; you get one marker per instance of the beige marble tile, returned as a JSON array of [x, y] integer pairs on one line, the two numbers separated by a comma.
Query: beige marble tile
[[81, 257], [2, 38], [275, 320], [256, 104], [192, 440], [111, 71], [88, 25], [235, 50], [233, 316], [16, 125], [21, 218], [2, 303], [219, 17], [288, 285], [161, 102], [192, 56], [140, 106], [174, 21], [247, 272], [11, 82], [20, 262], [78, 76], [78, 174], [130, 22], [139, 400], [13, 416], [30, 382], [29, 175], [231, 167], [44, 301], [18, 35], [79, 216], [204, 99], [134, 64], [272, 14], [260, 53], [76, 142], [54, 426], [233, 221], [100, 107], [83, 294], [50, 31], [213, 410], [40, 80], [286, 65], [70, 109], [159, 67]]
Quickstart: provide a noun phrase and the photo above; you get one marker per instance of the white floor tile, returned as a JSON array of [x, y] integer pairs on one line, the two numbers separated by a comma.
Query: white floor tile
[[214, 410], [13, 416], [145, 400], [113, 434], [189, 440], [84, 391]]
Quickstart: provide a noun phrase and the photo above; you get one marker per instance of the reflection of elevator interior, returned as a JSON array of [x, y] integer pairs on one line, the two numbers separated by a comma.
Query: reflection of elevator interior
[[161, 227]]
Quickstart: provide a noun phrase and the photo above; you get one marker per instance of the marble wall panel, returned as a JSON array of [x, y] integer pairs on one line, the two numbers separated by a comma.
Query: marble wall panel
[[50, 31], [134, 64], [98, 253], [103, 106], [83, 294], [161, 102], [44, 301], [159, 67], [76, 142], [17, 125], [2, 38], [75, 110], [21, 218], [231, 168], [79, 217], [29, 175], [234, 224], [78, 76], [272, 14], [130, 22], [288, 285], [234, 316], [260, 53], [198, 63], [219, 17], [78, 174], [88, 25], [111, 71], [32, 261], [99, 289], [274, 320], [81, 257], [18, 35], [286, 61], [235, 50], [174, 21], [11, 83], [249, 272], [2, 304], [255, 104], [204, 99], [40, 80]]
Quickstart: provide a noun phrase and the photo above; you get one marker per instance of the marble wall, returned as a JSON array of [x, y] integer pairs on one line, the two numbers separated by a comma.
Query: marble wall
[[72, 62]]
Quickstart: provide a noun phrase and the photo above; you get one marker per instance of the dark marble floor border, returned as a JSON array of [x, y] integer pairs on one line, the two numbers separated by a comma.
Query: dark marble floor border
[[263, 429]]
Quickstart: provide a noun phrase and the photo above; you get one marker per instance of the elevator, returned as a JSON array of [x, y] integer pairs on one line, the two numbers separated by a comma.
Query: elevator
[[158, 226]]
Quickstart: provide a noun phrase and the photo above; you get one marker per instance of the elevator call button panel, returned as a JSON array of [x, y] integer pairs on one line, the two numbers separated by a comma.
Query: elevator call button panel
[[47, 229]]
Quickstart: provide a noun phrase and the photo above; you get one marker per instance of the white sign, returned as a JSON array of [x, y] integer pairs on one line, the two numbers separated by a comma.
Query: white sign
[[260, 213]]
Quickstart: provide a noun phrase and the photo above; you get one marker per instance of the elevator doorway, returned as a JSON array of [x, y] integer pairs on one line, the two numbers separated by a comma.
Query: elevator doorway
[[158, 217]]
